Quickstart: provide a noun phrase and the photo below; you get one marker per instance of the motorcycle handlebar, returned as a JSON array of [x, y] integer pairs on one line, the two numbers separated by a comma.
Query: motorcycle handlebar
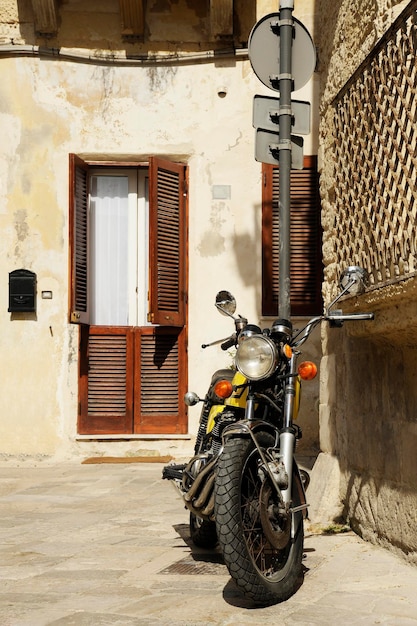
[[224, 343], [228, 343], [337, 320]]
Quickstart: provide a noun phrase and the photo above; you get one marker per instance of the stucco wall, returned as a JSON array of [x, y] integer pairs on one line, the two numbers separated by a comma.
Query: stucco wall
[[368, 398], [52, 106]]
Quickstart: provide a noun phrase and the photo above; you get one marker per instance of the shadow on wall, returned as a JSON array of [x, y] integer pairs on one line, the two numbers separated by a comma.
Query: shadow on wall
[[245, 246], [247, 250], [382, 512], [373, 433]]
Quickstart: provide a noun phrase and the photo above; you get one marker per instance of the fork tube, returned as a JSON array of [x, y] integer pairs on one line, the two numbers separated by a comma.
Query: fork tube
[[287, 434], [286, 449], [250, 406], [290, 392]]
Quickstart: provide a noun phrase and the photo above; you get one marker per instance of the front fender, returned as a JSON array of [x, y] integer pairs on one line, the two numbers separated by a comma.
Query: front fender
[[298, 488], [248, 428], [298, 501]]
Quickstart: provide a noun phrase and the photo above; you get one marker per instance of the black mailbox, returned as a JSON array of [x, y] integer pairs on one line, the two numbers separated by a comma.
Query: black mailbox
[[22, 291]]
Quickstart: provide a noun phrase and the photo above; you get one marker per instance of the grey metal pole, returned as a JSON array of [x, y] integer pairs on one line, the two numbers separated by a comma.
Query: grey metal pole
[[286, 24]]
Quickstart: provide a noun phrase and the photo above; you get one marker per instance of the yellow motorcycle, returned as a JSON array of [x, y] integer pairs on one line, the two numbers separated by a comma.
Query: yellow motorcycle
[[243, 487]]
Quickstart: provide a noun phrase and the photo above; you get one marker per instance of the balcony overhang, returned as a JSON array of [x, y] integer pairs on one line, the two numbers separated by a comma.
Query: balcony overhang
[[132, 14]]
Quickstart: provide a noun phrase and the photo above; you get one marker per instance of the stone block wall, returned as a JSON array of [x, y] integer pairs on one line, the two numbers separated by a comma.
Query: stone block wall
[[367, 160]]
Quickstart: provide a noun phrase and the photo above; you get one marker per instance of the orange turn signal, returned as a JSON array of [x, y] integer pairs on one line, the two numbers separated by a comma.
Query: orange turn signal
[[287, 350], [307, 370], [223, 388]]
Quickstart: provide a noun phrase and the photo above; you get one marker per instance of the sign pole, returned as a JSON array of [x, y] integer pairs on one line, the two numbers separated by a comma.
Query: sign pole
[[285, 65], [285, 115]]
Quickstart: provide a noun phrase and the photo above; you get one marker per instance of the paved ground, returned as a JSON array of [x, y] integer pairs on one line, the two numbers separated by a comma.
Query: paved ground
[[107, 545]]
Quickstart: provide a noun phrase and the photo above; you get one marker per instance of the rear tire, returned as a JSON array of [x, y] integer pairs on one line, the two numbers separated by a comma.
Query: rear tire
[[263, 573]]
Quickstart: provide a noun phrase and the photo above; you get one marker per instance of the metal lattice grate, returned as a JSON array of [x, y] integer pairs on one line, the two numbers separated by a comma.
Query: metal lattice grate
[[375, 158], [190, 566]]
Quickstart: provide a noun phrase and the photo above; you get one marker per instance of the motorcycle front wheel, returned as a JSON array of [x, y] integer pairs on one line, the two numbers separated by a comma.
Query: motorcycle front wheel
[[263, 572]]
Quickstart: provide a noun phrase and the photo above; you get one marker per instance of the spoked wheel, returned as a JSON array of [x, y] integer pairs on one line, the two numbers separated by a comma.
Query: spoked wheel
[[254, 531], [203, 532]]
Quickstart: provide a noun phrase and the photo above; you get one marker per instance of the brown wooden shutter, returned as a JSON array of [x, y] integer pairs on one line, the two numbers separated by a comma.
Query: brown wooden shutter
[[160, 380], [167, 242], [306, 255], [78, 238], [106, 380]]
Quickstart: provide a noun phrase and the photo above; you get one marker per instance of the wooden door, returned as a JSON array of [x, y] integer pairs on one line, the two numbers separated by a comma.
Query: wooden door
[[132, 378]]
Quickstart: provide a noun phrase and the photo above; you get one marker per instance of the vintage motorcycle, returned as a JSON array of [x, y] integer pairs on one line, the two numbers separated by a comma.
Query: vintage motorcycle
[[243, 486]]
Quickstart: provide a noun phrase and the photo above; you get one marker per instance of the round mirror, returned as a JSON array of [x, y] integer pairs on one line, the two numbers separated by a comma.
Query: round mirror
[[353, 280], [226, 302], [191, 398]]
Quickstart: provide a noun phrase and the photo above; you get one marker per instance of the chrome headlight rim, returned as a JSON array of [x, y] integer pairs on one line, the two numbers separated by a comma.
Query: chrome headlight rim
[[257, 357]]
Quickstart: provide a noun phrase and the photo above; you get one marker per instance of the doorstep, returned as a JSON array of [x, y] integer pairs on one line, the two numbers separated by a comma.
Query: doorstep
[[123, 437]]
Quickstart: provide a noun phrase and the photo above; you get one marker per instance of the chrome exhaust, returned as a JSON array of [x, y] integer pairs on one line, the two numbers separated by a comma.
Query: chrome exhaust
[[199, 499], [199, 481]]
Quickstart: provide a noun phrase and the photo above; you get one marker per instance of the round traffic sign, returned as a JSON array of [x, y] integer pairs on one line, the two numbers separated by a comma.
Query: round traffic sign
[[264, 54]]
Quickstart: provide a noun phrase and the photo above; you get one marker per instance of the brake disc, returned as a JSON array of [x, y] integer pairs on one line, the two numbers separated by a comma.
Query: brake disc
[[276, 522]]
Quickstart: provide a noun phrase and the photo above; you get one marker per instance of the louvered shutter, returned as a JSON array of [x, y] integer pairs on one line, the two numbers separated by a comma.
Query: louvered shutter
[[306, 256], [78, 237], [160, 380], [167, 242], [106, 380]]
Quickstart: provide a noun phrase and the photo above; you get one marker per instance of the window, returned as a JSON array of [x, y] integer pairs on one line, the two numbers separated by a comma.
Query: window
[[119, 233], [166, 242], [306, 256]]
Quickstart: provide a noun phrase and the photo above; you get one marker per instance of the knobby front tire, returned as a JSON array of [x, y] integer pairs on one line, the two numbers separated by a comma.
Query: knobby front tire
[[265, 574]]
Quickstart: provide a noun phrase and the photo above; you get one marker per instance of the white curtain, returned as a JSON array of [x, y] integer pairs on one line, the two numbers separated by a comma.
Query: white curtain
[[109, 250]]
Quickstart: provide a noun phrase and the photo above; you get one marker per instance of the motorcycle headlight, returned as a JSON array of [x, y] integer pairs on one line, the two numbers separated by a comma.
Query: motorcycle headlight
[[257, 357]]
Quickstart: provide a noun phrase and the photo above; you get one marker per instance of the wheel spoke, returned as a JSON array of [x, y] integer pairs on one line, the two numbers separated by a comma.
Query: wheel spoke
[[267, 559], [244, 504]]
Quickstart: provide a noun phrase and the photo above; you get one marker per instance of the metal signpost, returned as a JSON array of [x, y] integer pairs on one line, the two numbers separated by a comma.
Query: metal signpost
[[283, 57]]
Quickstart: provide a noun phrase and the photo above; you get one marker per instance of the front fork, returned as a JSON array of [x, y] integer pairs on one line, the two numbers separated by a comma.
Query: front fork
[[287, 433]]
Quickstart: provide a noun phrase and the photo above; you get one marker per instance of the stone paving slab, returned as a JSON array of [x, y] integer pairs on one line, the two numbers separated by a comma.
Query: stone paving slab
[[108, 545]]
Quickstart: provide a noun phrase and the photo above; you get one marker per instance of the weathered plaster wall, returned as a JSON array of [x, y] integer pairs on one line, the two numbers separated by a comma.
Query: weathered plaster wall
[[51, 107], [368, 398], [123, 111]]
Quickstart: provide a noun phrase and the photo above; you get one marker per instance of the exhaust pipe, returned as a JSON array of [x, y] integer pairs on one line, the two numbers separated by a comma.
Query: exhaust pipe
[[198, 482], [205, 492], [200, 497]]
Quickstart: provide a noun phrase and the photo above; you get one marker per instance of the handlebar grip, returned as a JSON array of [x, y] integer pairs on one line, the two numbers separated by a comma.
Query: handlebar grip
[[367, 316], [229, 343], [352, 317]]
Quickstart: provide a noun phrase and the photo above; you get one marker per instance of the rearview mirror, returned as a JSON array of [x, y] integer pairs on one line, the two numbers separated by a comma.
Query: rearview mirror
[[226, 303], [353, 280]]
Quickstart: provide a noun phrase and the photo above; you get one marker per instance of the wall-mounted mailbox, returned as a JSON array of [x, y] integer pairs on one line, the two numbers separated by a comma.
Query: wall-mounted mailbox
[[22, 291]]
